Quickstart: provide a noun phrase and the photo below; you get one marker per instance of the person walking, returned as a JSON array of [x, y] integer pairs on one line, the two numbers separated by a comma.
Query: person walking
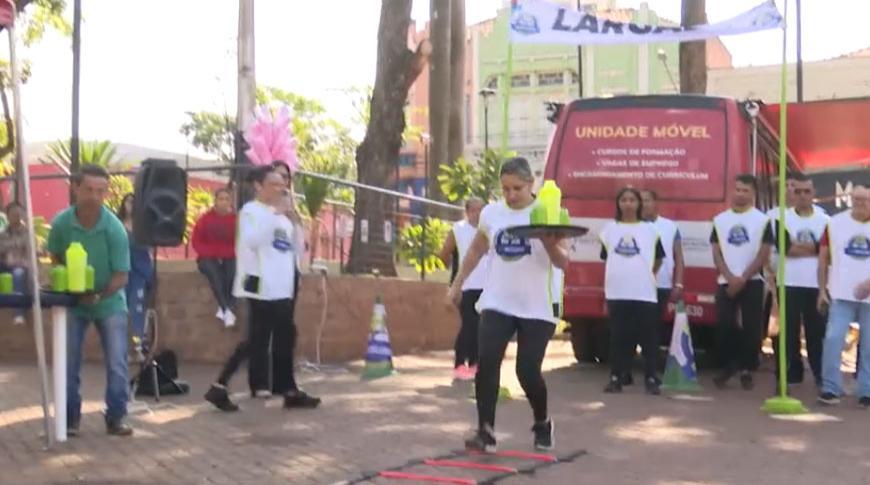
[[214, 240], [633, 254], [265, 275], [741, 240], [516, 301], [104, 238], [845, 246], [458, 241]]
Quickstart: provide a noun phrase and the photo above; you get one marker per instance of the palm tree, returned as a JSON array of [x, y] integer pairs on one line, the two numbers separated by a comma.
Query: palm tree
[[102, 153]]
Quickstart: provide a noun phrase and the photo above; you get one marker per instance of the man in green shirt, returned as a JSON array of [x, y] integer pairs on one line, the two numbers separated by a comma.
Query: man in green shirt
[[104, 238]]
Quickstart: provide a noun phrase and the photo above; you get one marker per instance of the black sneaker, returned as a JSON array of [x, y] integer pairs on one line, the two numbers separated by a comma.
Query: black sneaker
[[118, 427], [653, 386], [614, 386], [721, 379], [483, 441], [829, 398], [299, 399], [627, 379], [746, 381], [544, 435], [220, 398], [72, 428], [864, 402]]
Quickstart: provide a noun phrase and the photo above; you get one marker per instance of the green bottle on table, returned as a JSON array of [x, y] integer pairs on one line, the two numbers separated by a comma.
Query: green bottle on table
[[76, 268], [58, 279], [6, 283]]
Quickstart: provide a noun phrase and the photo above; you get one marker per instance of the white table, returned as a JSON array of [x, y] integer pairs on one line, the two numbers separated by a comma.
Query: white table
[[58, 366]]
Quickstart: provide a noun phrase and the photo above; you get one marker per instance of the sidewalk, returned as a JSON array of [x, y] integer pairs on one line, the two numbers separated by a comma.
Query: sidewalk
[[718, 438]]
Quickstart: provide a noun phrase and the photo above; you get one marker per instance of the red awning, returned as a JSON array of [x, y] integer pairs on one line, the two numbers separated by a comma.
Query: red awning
[[826, 134]]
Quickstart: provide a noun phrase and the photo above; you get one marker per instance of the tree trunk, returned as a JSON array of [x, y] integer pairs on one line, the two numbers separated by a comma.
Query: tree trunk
[[439, 93], [456, 126], [397, 68], [693, 55], [245, 96]]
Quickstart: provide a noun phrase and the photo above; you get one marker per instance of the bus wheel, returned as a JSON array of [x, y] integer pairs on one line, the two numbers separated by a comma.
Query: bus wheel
[[582, 341]]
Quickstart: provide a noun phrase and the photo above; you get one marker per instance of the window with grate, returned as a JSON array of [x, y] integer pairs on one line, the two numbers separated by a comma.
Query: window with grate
[[550, 79], [521, 81]]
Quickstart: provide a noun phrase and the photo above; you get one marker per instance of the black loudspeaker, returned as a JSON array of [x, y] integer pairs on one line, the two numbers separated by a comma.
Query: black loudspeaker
[[160, 204]]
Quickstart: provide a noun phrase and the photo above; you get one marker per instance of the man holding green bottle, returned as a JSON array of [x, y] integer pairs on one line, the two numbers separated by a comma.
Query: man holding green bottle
[[104, 239]]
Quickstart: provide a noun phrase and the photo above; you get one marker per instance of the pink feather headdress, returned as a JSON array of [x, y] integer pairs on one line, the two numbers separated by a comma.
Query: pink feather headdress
[[270, 138]]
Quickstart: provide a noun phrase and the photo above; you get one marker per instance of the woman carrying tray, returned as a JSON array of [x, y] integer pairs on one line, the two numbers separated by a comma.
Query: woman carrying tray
[[516, 300]]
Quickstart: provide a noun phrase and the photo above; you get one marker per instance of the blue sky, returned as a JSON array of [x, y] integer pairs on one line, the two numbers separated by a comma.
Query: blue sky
[[147, 62]]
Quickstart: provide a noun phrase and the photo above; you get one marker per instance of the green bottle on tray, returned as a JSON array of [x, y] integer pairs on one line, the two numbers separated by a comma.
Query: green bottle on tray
[[58, 279], [548, 209], [76, 268]]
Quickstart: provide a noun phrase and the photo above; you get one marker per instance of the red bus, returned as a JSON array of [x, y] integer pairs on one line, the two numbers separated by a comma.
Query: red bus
[[686, 148]]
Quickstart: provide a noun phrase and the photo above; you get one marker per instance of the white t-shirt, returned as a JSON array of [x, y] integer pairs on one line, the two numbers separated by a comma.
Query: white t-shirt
[[668, 233], [631, 250], [520, 274], [849, 243], [266, 248], [464, 233], [773, 214], [740, 236], [557, 292], [803, 272]]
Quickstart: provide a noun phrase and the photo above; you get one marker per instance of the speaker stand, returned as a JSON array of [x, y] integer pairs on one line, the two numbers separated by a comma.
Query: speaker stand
[[150, 367]]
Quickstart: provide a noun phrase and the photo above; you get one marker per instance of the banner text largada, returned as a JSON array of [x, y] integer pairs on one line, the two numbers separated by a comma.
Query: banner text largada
[[540, 22]]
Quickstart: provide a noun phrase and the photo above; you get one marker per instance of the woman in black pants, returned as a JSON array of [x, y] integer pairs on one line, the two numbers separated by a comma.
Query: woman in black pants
[[633, 254], [516, 300]]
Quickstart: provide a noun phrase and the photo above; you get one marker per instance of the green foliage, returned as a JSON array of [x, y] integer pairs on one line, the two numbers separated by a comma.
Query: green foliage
[[102, 153], [323, 144], [199, 201], [41, 15], [41, 228], [119, 186], [419, 248], [463, 179]]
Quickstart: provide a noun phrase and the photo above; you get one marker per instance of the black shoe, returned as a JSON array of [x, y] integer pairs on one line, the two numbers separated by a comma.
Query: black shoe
[[614, 386], [653, 386], [299, 399], [864, 402], [627, 379], [483, 441], [544, 435], [72, 428], [829, 398], [721, 379], [221, 399], [118, 427], [746, 381]]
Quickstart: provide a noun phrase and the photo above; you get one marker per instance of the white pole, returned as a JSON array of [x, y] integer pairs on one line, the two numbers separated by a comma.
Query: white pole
[[58, 359], [247, 84], [38, 334]]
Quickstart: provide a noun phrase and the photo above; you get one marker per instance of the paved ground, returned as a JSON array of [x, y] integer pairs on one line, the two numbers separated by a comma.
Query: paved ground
[[719, 437]]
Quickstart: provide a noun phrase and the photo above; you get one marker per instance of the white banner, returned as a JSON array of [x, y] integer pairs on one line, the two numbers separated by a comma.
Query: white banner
[[539, 22]]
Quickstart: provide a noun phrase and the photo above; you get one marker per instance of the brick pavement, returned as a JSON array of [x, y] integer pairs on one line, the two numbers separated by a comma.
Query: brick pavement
[[718, 438]]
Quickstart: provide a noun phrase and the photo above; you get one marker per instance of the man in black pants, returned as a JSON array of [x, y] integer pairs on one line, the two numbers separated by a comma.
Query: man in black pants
[[804, 227], [741, 241]]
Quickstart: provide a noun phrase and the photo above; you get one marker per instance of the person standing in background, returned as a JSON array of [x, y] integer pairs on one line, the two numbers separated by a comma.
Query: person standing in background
[[459, 240], [741, 241], [139, 280], [214, 240], [13, 247]]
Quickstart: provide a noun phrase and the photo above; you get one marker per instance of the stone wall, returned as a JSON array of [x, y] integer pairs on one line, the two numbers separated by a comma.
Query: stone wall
[[417, 317]]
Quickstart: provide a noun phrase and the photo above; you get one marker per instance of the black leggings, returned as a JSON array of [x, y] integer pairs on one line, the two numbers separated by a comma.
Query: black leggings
[[268, 320], [800, 306], [466, 340], [496, 330], [633, 321]]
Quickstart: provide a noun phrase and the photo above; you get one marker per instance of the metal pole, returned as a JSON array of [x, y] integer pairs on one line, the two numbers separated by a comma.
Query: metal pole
[[38, 333], [76, 84], [579, 60], [800, 61], [485, 124]]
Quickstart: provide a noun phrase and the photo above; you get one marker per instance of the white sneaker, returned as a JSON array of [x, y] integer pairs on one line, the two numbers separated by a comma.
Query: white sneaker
[[18, 320], [221, 314], [229, 319]]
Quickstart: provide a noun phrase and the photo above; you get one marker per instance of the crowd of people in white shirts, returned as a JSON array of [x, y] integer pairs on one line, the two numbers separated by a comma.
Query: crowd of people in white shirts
[[505, 287]]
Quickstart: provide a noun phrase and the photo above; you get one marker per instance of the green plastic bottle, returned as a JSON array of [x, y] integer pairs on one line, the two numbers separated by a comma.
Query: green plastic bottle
[[538, 215], [550, 197], [76, 268], [58, 279], [5, 283], [89, 278], [564, 217]]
